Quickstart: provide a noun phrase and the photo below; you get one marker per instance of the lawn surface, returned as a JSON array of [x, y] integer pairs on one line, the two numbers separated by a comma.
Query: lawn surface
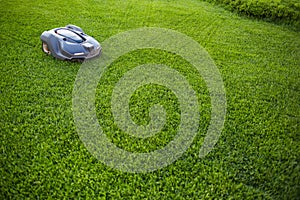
[[41, 155]]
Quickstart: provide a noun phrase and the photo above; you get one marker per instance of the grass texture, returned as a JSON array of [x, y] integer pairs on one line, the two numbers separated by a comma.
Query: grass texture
[[41, 155]]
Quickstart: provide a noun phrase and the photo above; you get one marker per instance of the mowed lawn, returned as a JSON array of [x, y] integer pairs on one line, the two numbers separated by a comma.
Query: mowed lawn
[[41, 155]]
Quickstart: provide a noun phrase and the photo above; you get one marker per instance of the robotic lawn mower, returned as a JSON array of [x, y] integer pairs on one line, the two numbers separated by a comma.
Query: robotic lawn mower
[[70, 43]]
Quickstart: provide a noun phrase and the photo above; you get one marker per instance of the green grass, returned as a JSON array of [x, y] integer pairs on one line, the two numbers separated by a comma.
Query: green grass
[[41, 155]]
